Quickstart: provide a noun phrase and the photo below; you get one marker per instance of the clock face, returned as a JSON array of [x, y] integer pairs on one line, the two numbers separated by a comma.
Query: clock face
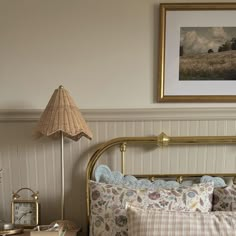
[[25, 213]]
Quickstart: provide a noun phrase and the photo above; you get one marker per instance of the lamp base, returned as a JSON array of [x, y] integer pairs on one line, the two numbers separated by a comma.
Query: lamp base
[[64, 225]]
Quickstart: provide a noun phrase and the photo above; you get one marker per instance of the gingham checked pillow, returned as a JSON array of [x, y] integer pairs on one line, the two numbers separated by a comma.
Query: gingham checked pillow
[[153, 222]]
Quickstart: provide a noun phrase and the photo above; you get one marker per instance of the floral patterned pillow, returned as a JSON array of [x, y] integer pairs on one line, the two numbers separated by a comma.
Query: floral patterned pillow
[[108, 213], [224, 199], [197, 197]]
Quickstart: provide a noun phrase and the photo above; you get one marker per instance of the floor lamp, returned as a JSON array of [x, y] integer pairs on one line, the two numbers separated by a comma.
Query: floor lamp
[[62, 118]]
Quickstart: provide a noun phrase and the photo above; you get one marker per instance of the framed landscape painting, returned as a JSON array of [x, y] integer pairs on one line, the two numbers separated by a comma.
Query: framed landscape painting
[[197, 52]]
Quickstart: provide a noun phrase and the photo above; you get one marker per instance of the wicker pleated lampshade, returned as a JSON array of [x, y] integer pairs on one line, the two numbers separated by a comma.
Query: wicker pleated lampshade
[[62, 115]]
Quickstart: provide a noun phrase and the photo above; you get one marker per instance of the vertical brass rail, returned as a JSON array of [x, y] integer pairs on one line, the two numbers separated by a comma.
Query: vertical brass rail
[[0, 175], [123, 150]]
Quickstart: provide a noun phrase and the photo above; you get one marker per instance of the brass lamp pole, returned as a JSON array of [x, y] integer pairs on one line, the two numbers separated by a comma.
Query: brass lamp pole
[[62, 176]]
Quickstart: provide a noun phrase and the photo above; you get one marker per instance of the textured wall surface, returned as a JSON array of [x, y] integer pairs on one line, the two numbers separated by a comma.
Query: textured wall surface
[[35, 163]]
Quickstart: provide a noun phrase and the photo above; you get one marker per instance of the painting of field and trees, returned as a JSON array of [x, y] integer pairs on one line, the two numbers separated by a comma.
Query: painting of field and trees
[[207, 53]]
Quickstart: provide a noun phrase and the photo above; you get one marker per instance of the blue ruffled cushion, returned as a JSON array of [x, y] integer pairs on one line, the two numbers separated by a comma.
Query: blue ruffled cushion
[[218, 182], [103, 174]]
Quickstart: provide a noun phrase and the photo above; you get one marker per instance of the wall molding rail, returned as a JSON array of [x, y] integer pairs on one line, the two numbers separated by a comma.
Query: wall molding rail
[[133, 114]]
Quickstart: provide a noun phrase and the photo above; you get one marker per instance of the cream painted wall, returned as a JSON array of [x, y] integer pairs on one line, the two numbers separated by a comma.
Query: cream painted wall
[[104, 52]]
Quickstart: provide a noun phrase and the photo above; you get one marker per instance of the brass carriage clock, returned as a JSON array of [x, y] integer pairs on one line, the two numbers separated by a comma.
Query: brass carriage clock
[[25, 213]]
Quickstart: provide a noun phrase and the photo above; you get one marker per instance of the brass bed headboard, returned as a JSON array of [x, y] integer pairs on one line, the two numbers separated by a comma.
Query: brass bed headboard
[[160, 141]]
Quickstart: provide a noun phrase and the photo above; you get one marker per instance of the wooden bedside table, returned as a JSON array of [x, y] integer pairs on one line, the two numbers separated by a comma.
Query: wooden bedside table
[[27, 232]]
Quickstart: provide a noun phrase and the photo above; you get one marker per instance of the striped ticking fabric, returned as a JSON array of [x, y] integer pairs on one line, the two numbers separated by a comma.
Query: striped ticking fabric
[[152, 222]]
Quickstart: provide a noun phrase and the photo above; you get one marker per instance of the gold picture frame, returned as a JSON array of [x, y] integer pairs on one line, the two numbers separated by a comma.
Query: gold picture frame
[[188, 70]]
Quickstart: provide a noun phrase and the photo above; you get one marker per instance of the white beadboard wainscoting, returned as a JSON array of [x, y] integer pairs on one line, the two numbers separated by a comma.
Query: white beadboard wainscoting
[[35, 163]]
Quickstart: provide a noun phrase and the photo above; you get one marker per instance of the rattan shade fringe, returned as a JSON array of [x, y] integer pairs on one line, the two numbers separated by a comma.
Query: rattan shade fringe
[[61, 114]]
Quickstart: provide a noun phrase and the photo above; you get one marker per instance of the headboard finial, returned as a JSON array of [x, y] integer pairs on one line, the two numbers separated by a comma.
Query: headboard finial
[[162, 140]]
